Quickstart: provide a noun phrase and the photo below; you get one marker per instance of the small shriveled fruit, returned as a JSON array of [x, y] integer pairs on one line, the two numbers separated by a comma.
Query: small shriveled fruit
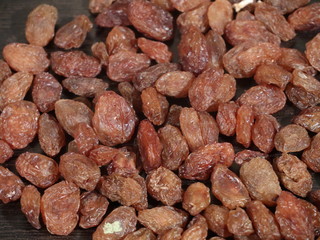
[[5, 151], [30, 205], [239, 223], [155, 50], [11, 186]]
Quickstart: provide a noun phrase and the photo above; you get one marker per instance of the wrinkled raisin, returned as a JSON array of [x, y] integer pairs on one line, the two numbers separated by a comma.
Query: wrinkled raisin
[[220, 13], [311, 155], [121, 39], [245, 119], [239, 223], [306, 18], [5, 151], [311, 50], [155, 50], [99, 50], [30, 205], [196, 229], [309, 118], [11, 186], [85, 138]]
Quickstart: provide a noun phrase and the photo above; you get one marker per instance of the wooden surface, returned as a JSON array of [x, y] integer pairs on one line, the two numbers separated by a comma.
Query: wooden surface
[[13, 14]]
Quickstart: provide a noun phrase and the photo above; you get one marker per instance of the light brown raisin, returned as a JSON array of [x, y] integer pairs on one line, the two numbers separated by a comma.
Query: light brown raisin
[[311, 155], [239, 223], [220, 13], [99, 50], [5, 151], [97, 6], [196, 229], [306, 18], [155, 50], [186, 5], [260, 180], [121, 39], [131, 94], [245, 119], [85, 138], [40, 25], [5, 71], [309, 118], [11, 186], [246, 155], [216, 47], [311, 50]]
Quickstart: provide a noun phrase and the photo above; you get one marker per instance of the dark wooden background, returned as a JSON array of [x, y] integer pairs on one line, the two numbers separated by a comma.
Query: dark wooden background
[[13, 15]]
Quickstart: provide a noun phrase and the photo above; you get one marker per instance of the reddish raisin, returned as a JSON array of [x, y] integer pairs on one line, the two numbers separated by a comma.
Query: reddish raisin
[[51, 135], [186, 5], [239, 223], [172, 234], [173, 115], [121, 39], [196, 229], [151, 20], [5, 71], [220, 13], [132, 95], [306, 18], [46, 91], [216, 47], [85, 138], [59, 208], [150, 147], [80, 170], [96, 6], [246, 155], [99, 50], [19, 123], [74, 63], [309, 119], [5, 151], [103, 155], [287, 6], [11, 186], [155, 50], [93, 207], [245, 119], [73, 34], [311, 155], [114, 119], [30, 205], [142, 233], [311, 50]]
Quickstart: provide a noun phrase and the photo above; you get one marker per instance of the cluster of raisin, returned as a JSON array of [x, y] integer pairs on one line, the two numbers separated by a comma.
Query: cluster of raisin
[[165, 163]]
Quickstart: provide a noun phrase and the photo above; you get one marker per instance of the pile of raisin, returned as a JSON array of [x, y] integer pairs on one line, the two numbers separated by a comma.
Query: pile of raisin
[[141, 144]]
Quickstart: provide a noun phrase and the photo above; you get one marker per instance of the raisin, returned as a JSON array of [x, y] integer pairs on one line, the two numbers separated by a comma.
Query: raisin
[[125, 190], [155, 50], [199, 164], [245, 119], [210, 89], [51, 135], [99, 50], [264, 99], [186, 5], [246, 155], [114, 119], [220, 13], [243, 60], [228, 188], [272, 74], [306, 18], [38, 169], [175, 147], [74, 63], [30, 205], [196, 17], [124, 65], [19, 124], [309, 119], [314, 214], [119, 223], [240, 31], [274, 21], [150, 147], [103, 155], [294, 220], [121, 39], [114, 15], [46, 91], [149, 76], [172, 234], [73, 34], [164, 186], [151, 20], [193, 51], [85, 138], [263, 221], [59, 208], [69, 113], [260, 180], [142, 233], [196, 229], [165, 4], [15, 88], [216, 48], [311, 50], [245, 15], [26, 58], [226, 118], [217, 217], [5, 151], [124, 163], [199, 128], [132, 95], [263, 131], [80, 170], [5, 71], [287, 6], [174, 115], [311, 155], [11, 186], [196, 198], [154, 105], [292, 138], [239, 223], [93, 207], [292, 59], [161, 219], [293, 174], [97, 6], [85, 87], [143, 203], [40, 25]]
